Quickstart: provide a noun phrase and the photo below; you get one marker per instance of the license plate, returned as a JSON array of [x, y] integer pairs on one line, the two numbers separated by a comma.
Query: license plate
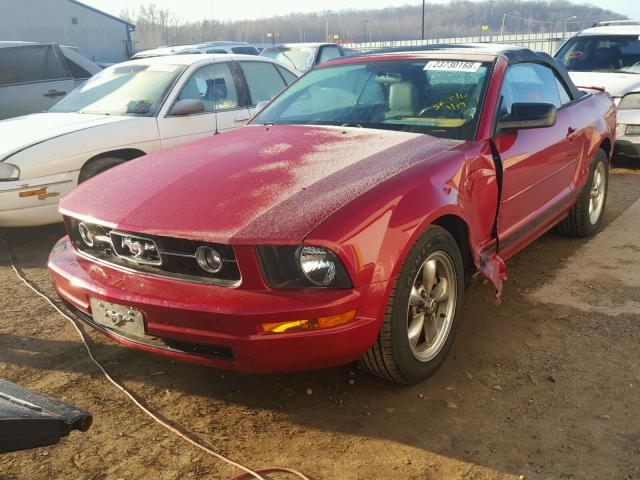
[[117, 317]]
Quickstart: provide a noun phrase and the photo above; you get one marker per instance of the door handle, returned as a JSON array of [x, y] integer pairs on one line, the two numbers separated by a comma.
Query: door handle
[[54, 93], [572, 133], [241, 119]]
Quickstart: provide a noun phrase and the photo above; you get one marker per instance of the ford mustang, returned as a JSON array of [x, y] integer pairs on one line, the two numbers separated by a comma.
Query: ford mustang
[[346, 219]]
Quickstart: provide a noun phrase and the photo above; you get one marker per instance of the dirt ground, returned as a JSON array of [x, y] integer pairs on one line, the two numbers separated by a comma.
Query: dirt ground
[[546, 385]]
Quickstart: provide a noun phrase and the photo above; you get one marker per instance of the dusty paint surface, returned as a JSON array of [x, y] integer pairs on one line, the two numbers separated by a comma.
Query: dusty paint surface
[[256, 184]]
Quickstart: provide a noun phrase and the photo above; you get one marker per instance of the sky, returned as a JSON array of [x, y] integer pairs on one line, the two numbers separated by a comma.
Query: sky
[[190, 10]]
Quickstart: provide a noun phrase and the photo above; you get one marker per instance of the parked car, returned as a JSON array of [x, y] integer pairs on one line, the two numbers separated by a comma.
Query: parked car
[[304, 56], [608, 55], [162, 51], [240, 48], [344, 222], [124, 112], [37, 75]]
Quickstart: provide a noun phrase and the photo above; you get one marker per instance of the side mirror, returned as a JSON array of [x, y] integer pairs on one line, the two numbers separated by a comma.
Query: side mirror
[[186, 107], [529, 115]]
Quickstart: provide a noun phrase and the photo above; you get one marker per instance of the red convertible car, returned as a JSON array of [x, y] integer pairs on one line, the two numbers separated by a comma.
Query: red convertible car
[[345, 220]]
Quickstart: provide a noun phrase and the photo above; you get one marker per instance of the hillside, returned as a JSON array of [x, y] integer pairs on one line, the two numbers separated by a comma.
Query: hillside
[[155, 26]]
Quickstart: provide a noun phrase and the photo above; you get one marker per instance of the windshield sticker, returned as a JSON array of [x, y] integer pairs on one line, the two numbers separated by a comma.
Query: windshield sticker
[[452, 66]]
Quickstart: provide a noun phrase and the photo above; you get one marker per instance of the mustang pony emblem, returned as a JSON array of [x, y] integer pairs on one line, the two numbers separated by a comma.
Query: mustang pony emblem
[[136, 247]]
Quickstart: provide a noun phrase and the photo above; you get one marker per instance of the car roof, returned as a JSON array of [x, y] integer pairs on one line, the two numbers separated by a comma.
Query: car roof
[[201, 58], [300, 45], [15, 44], [471, 51], [223, 44], [613, 29]]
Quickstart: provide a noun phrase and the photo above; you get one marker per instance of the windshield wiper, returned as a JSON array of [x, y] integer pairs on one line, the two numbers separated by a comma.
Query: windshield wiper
[[351, 124]]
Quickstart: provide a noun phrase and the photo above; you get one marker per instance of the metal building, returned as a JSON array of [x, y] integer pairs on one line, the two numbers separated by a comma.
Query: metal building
[[99, 36]]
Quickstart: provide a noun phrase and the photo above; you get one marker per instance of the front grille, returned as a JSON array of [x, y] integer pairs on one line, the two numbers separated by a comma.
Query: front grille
[[153, 254]]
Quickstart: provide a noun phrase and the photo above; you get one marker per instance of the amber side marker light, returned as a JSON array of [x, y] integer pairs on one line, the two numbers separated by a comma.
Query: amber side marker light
[[309, 324], [34, 193]]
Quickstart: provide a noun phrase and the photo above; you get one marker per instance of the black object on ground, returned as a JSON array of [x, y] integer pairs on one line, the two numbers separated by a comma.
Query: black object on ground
[[30, 420]]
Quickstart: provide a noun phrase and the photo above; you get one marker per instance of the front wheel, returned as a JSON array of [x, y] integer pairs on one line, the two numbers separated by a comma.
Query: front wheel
[[585, 217], [422, 313]]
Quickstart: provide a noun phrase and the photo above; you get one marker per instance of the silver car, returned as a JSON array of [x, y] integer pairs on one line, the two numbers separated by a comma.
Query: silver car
[[38, 75], [608, 56]]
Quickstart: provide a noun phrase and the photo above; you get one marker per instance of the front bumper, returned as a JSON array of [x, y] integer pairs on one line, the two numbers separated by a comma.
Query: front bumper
[[221, 326], [41, 206], [627, 145]]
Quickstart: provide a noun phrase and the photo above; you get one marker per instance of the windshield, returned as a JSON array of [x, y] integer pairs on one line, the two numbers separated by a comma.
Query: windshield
[[607, 53], [122, 90], [439, 97], [300, 58]]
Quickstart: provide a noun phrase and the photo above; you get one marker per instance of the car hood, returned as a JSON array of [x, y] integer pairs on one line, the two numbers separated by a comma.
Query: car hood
[[616, 84], [19, 133], [253, 185]]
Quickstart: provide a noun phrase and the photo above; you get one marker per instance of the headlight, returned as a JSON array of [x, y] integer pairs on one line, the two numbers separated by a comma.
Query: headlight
[[8, 172], [630, 101], [318, 265], [302, 267]]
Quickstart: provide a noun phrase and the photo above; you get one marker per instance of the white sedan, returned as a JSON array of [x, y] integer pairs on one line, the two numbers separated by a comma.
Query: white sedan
[[124, 112]]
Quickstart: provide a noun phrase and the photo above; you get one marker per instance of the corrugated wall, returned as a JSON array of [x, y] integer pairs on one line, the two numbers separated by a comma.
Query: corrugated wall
[[98, 37]]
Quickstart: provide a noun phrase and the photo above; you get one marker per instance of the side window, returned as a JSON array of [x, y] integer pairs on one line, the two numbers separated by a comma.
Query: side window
[[263, 80], [564, 94], [329, 53], [287, 75], [54, 68], [245, 50], [529, 83], [215, 88], [77, 71], [27, 64]]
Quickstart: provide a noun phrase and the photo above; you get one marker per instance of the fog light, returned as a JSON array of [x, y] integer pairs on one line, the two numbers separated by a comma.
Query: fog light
[[85, 234], [209, 259], [633, 129], [310, 324]]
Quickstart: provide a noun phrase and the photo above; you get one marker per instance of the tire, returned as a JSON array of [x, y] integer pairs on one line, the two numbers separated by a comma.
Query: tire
[[393, 356], [582, 220], [97, 166]]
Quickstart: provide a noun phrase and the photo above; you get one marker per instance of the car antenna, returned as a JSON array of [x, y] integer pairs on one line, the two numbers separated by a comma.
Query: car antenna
[[213, 66]]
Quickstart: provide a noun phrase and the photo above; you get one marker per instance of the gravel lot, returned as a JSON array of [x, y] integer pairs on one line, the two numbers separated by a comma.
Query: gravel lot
[[546, 385]]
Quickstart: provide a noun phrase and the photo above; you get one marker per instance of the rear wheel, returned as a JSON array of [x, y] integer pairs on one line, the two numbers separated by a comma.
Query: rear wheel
[[585, 217], [97, 166], [422, 313]]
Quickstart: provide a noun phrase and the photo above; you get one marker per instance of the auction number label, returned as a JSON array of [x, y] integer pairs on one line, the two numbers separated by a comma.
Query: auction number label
[[452, 66]]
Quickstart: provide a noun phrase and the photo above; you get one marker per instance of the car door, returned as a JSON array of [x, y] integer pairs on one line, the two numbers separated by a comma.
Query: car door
[[218, 88], [264, 81], [539, 163], [33, 79]]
